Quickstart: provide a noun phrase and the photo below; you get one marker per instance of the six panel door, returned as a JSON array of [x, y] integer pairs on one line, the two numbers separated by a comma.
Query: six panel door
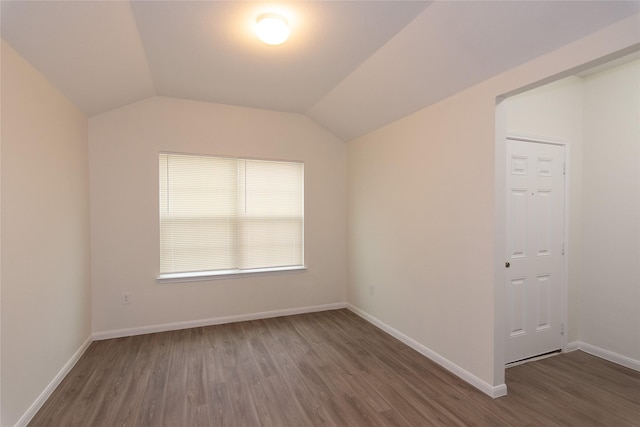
[[535, 248]]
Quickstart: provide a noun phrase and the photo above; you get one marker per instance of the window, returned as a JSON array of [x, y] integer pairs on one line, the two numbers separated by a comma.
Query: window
[[222, 215]]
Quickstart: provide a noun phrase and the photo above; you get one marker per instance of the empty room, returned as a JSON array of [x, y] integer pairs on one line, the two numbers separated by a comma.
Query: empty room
[[403, 213]]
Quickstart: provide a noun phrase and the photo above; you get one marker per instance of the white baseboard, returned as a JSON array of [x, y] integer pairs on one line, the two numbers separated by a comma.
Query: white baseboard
[[164, 327], [492, 391], [37, 404], [605, 354]]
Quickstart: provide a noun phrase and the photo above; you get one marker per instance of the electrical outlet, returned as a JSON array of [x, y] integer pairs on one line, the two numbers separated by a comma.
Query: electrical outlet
[[126, 298], [372, 289]]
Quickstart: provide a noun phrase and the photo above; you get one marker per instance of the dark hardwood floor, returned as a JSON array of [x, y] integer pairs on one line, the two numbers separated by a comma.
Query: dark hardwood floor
[[330, 368]]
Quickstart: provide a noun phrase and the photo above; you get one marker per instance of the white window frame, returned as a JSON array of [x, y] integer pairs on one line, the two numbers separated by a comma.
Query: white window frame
[[188, 276]]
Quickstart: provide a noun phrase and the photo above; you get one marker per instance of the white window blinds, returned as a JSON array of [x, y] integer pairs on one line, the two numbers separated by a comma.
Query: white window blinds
[[231, 214]]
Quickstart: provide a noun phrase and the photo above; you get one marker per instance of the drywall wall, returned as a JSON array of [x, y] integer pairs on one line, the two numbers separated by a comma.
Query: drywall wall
[[419, 207], [426, 227], [45, 234], [554, 111], [124, 147], [610, 277]]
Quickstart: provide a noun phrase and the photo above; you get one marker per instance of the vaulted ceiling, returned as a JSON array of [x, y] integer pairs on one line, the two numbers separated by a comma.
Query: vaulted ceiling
[[352, 66]]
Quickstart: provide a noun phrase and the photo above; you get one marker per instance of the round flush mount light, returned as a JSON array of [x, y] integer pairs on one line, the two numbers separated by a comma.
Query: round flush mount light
[[272, 28]]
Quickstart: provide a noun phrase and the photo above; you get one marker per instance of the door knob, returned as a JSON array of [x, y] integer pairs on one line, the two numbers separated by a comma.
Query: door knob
[[507, 264]]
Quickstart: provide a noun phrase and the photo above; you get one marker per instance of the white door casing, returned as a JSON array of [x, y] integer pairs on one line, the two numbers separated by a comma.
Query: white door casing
[[535, 248]]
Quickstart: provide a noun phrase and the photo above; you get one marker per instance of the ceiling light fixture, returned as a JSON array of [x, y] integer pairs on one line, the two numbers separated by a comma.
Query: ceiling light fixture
[[272, 29]]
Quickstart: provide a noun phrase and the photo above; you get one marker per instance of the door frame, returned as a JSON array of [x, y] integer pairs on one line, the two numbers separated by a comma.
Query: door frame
[[564, 286]]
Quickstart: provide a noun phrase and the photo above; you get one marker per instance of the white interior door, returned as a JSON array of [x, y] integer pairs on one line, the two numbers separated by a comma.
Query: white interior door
[[535, 248]]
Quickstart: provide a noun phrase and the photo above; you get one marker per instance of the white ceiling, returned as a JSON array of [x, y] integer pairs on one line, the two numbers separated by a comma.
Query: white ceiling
[[352, 66]]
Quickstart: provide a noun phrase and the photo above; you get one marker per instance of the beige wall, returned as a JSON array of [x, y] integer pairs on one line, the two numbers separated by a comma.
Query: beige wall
[[124, 147], [553, 110], [610, 279], [426, 225], [45, 234]]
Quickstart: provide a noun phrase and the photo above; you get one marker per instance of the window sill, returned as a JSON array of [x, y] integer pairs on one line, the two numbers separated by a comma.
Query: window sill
[[225, 274]]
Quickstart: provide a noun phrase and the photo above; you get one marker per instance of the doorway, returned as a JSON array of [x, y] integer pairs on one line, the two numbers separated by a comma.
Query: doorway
[[596, 111]]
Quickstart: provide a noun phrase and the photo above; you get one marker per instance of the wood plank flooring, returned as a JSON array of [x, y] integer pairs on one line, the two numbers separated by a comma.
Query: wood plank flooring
[[322, 369]]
